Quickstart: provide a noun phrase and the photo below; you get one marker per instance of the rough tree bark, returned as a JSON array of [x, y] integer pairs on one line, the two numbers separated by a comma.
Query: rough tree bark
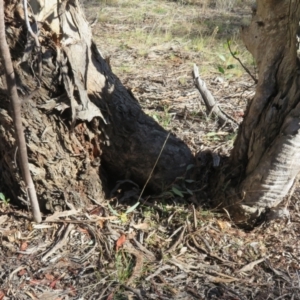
[[266, 158], [16, 109], [78, 115]]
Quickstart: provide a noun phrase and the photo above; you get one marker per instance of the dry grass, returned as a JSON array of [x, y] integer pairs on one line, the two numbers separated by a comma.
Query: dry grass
[[143, 25]]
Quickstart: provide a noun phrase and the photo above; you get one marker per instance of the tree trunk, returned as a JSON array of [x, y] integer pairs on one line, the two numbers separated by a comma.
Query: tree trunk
[[18, 126], [78, 115], [266, 158]]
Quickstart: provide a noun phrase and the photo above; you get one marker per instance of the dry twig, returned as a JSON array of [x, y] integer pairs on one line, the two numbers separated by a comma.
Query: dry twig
[[62, 241], [243, 66]]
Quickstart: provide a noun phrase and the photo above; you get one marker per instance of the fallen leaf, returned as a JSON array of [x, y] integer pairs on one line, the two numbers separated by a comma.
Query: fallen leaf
[[82, 230], [141, 226], [120, 241], [96, 218], [53, 283], [24, 246], [49, 277], [59, 214], [110, 297], [223, 225], [220, 279], [34, 282], [11, 238], [3, 219], [183, 250], [31, 295], [72, 291], [100, 223], [131, 235], [250, 266], [97, 211], [22, 272]]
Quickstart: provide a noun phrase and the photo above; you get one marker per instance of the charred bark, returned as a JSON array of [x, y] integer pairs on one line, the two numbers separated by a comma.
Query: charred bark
[[266, 159], [78, 116]]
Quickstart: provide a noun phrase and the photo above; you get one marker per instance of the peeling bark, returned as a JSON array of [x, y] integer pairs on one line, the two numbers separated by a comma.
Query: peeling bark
[[265, 160]]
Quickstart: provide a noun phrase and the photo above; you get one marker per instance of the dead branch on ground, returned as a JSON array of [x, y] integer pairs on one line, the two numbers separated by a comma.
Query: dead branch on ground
[[210, 102]]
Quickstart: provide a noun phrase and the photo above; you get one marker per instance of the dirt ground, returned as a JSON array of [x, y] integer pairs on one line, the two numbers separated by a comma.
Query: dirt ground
[[165, 248]]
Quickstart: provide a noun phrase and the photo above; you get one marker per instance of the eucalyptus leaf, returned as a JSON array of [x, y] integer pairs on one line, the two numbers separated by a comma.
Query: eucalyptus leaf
[[177, 192], [112, 210], [211, 134], [155, 118], [189, 180], [189, 191], [132, 208], [222, 57], [230, 67], [190, 167], [221, 70]]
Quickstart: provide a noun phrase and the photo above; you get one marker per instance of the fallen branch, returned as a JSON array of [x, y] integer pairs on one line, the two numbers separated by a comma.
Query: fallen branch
[[137, 270], [62, 240], [210, 101]]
